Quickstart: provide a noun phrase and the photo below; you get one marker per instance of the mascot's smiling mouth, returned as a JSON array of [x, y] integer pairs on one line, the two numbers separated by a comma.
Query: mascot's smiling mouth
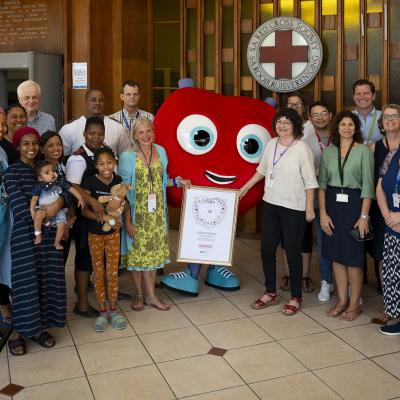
[[219, 179]]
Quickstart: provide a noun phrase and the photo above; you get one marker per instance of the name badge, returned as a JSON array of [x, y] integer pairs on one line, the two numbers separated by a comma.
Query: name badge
[[396, 200], [270, 181], [151, 202], [342, 198]]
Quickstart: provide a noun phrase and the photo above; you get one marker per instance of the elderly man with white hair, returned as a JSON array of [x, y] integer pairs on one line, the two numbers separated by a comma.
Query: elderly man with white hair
[[29, 97]]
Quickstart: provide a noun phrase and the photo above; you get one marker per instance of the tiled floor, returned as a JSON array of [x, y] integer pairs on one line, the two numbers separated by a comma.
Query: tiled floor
[[164, 355]]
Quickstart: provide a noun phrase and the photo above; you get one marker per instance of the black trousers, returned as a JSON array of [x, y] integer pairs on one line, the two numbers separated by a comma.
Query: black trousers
[[277, 220]]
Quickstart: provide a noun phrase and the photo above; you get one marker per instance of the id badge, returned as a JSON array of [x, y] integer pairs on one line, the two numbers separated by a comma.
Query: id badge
[[270, 181], [342, 198], [151, 202], [396, 200]]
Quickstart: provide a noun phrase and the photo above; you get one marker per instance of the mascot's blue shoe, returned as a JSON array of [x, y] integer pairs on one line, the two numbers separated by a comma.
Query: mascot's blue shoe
[[181, 282], [222, 278]]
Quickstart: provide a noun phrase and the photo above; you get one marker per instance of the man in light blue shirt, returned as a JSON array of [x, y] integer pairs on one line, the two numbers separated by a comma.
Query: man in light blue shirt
[[29, 97], [363, 96]]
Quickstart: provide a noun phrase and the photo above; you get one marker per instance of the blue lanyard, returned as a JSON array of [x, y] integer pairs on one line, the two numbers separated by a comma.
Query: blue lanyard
[[127, 123], [397, 181], [282, 154]]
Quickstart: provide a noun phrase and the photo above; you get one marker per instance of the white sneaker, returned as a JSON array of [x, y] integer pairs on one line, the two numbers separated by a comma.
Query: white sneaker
[[326, 291]]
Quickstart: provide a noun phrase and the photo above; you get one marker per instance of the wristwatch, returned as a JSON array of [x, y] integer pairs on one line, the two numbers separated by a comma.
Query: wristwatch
[[364, 216]]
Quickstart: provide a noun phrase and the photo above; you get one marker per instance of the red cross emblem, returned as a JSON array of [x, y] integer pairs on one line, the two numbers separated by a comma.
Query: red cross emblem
[[283, 54]]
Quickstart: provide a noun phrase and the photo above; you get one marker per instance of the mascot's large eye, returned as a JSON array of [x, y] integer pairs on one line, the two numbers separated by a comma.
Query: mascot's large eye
[[197, 134], [251, 141]]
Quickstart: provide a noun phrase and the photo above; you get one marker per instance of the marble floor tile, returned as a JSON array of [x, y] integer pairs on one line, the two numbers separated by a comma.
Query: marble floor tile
[[234, 333], [304, 386], [207, 311], [175, 344], [152, 320], [260, 362], [367, 340], [111, 355], [70, 389], [236, 393], [321, 350], [200, 374], [44, 367], [389, 362], [281, 326], [360, 380], [141, 383]]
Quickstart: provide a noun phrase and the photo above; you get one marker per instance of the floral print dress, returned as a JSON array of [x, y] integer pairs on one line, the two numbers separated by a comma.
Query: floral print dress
[[150, 249]]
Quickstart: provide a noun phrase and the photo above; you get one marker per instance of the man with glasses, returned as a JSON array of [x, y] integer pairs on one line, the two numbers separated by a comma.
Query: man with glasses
[[130, 112], [364, 96], [320, 118], [29, 97]]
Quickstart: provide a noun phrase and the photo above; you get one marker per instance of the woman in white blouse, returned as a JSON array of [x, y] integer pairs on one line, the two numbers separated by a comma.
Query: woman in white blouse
[[288, 168]]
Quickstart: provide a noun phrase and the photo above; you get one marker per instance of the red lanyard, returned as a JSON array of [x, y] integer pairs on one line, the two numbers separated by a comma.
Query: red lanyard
[[321, 145]]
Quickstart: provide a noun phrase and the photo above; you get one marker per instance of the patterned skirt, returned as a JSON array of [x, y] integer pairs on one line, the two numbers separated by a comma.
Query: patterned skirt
[[391, 275]]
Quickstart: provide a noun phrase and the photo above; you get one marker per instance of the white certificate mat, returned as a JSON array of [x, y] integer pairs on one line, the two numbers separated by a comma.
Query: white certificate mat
[[208, 225]]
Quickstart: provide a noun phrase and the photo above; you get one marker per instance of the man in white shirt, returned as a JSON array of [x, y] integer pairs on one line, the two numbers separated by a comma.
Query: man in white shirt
[[29, 97], [364, 96], [72, 133], [130, 112]]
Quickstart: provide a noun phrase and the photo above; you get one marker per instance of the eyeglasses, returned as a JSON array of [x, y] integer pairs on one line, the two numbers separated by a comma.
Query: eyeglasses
[[294, 105], [390, 117], [284, 122], [322, 114]]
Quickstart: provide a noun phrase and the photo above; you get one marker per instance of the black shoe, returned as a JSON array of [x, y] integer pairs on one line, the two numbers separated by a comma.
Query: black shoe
[[391, 330], [90, 312], [124, 297]]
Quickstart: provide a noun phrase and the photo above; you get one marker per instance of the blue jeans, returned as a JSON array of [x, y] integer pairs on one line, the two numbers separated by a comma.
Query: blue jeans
[[325, 266]]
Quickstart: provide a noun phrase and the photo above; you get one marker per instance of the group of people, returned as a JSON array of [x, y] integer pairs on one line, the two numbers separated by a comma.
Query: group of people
[[53, 185], [47, 201], [353, 160]]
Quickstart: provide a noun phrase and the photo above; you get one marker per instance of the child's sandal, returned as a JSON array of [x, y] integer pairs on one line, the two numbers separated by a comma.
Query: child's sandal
[[118, 321], [101, 324]]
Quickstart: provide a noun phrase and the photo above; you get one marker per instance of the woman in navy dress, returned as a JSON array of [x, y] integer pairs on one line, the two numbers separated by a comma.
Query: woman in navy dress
[[37, 271]]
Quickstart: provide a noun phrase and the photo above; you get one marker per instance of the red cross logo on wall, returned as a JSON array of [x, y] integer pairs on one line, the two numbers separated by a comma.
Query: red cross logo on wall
[[283, 54]]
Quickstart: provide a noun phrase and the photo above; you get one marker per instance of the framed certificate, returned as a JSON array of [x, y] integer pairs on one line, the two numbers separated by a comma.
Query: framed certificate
[[208, 225]]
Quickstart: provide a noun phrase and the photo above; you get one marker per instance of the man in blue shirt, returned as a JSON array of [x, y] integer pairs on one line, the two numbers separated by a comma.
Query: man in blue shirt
[[363, 96], [29, 97]]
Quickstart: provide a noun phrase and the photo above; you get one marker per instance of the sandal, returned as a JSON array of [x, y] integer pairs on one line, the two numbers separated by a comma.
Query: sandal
[[17, 344], [285, 283], [292, 309], [100, 324], [138, 305], [350, 314], [118, 321], [271, 299], [381, 319], [45, 340], [155, 302], [308, 285], [336, 311]]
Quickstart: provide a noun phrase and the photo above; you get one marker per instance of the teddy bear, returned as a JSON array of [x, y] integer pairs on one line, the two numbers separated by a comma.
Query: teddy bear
[[117, 192]]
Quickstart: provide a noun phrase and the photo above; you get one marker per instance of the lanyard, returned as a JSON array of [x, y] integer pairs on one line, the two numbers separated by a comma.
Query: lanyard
[[397, 182], [340, 164], [274, 162], [127, 123], [372, 127], [148, 163], [320, 144]]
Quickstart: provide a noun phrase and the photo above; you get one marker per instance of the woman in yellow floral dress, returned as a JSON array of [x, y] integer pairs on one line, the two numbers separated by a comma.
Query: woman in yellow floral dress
[[144, 242]]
